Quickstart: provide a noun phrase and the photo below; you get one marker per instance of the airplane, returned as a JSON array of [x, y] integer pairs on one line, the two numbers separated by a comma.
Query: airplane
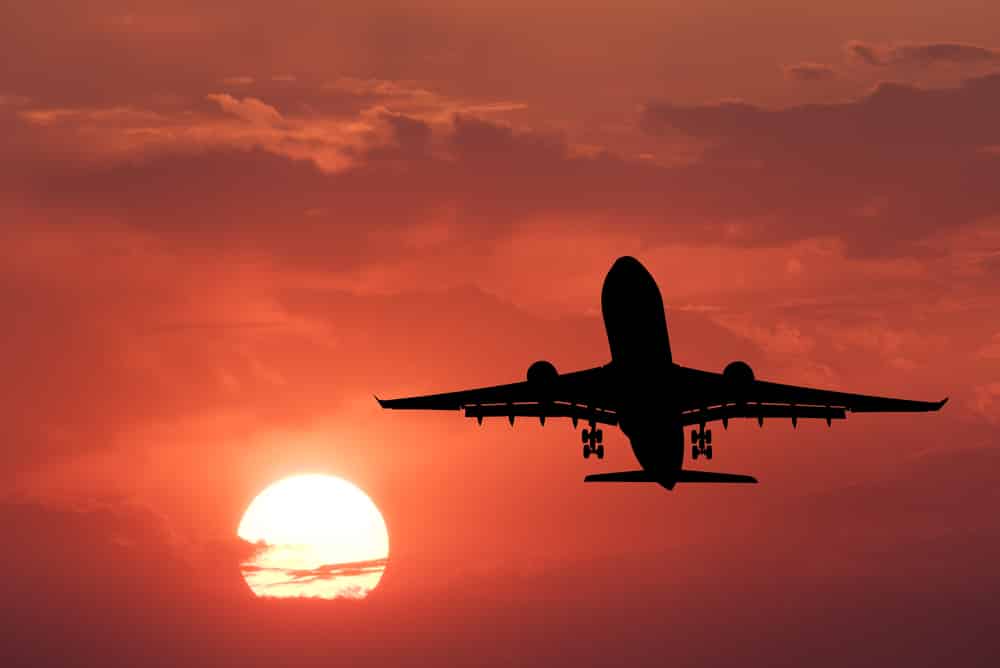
[[648, 396]]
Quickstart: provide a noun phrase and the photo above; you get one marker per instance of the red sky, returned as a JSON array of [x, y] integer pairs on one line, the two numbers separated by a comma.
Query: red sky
[[226, 225]]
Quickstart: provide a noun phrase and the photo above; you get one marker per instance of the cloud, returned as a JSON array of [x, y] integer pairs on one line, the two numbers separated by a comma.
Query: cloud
[[858, 170], [818, 165], [325, 571], [112, 135], [378, 88], [920, 54], [249, 108], [807, 71], [91, 547], [108, 117], [765, 174]]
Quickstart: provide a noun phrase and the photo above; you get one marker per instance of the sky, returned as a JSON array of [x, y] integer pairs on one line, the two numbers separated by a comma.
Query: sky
[[226, 225]]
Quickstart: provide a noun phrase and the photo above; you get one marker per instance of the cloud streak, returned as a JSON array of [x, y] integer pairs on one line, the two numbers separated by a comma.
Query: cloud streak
[[926, 54], [808, 71]]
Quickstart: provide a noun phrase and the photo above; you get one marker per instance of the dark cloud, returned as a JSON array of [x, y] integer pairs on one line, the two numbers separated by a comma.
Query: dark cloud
[[863, 52], [810, 72], [816, 167], [788, 173], [105, 550], [921, 54]]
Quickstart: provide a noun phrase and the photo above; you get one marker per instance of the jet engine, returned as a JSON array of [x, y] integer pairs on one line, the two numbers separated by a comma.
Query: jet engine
[[738, 373], [542, 373]]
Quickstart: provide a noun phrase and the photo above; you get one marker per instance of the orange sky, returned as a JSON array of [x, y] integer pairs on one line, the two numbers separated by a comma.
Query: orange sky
[[226, 225]]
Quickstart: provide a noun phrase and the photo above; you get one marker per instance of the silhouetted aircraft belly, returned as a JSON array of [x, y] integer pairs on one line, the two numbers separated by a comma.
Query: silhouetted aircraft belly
[[649, 397], [640, 357]]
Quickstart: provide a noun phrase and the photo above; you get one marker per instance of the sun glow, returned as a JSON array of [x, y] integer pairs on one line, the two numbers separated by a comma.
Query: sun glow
[[320, 536]]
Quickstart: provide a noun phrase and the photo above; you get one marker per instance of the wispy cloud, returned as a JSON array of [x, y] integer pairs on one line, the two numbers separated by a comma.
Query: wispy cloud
[[923, 54], [808, 71]]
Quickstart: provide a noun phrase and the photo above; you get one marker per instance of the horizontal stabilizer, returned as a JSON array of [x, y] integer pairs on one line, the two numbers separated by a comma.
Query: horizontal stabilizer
[[621, 476], [682, 476], [711, 476]]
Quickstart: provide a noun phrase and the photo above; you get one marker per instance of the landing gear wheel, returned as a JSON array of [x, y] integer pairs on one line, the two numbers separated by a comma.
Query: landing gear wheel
[[586, 451], [599, 435], [708, 452], [600, 452], [694, 452], [708, 436], [694, 437], [585, 435]]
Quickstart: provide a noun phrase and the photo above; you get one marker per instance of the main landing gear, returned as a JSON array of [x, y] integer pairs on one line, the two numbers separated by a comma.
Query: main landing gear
[[701, 442], [592, 441]]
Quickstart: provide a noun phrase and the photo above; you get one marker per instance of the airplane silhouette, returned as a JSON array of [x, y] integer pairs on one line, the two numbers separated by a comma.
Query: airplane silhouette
[[649, 397]]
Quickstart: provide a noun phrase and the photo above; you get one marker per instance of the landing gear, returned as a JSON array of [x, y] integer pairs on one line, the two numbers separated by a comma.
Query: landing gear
[[591, 437], [701, 442]]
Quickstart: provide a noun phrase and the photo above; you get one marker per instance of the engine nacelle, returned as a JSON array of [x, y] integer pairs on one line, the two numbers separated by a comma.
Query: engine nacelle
[[542, 373], [738, 373]]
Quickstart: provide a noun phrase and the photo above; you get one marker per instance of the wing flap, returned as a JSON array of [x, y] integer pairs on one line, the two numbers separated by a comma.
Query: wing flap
[[542, 410], [760, 411], [768, 392]]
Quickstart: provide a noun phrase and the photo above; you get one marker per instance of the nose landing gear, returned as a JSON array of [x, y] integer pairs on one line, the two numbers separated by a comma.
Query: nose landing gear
[[701, 442], [592, 441]]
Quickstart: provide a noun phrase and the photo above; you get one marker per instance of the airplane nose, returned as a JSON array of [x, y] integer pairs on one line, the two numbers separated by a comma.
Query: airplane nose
[[626, 270], [624, 267], [625, 263]]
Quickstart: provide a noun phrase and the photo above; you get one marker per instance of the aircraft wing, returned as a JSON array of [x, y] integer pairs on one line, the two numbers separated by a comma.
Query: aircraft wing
[[713, 396], [578, 395]]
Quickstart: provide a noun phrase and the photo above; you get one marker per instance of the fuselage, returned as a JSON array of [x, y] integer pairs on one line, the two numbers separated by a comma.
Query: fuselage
[[641, 366]]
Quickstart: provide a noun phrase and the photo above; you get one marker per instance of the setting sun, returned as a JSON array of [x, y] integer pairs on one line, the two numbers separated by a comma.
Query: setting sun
[[320, 536]]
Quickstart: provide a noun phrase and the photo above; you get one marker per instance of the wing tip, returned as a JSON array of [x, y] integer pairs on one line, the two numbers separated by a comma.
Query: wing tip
[[380, 401], [941, 403]]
